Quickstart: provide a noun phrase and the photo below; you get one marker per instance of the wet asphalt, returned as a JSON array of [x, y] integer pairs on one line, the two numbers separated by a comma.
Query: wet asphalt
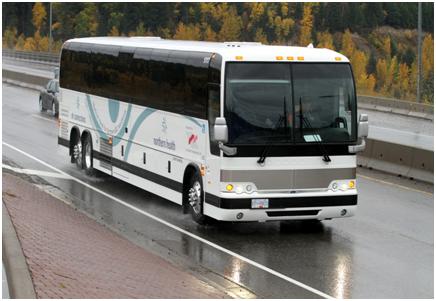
[[385, 251]]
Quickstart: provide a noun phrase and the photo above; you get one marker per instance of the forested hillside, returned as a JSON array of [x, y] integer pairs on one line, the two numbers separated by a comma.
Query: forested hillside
[[379, 38]]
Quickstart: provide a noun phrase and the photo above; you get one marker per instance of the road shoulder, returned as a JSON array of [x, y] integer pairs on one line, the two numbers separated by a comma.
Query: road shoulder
[[17, 272], [72, 256]]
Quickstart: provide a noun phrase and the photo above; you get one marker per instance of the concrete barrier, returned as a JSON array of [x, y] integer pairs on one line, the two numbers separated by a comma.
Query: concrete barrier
[[396, 106], [402, 160], [32, 79]]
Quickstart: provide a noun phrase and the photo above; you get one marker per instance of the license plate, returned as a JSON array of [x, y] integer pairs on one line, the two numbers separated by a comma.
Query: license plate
[[259, 203]]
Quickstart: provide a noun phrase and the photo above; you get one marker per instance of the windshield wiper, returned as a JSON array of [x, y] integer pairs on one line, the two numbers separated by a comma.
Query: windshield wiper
[[316, 137], [283, 118]]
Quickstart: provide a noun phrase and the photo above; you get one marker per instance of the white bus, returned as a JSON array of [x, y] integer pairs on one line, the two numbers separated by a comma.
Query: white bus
[[230, 131]]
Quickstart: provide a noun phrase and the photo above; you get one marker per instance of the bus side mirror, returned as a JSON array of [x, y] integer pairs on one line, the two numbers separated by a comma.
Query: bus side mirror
[[220, 130], [362, 130]]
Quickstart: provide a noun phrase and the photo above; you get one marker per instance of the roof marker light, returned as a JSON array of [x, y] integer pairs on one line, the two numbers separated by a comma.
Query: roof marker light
[[239, 57], [300, 58], [338, 58], [279, 57], [290, 58]]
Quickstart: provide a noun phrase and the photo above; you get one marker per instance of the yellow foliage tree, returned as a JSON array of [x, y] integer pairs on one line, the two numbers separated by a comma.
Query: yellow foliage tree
[[403, 80], [306, 25], [370, 84], [392, 73], [10, 38], [348, 46], [20, 42], [114, 32], [359, 61], [325, 40], [427, 56], [413, 77], [187, 32], [38, 15], [387, 47], [260, 36], [231, 25], [381, 72], [209, 34]]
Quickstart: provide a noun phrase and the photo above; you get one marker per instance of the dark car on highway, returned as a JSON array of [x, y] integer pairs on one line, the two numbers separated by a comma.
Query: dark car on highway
[[48, 98]]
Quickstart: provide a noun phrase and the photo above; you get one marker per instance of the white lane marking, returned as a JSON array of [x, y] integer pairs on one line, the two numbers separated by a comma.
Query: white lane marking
[[43, 118], [36, 172], [393, 184], [222, 249]]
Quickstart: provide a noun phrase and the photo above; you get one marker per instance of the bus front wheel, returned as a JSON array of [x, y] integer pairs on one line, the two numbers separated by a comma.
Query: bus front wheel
[[195, 199]]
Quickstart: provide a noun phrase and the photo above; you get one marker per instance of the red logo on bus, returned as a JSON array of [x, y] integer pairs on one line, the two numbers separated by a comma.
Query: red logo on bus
[[192, 139]]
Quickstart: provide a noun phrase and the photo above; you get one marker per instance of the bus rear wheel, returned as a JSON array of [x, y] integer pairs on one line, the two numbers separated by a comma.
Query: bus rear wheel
[[87, 156], [195, 197], [77, 154]]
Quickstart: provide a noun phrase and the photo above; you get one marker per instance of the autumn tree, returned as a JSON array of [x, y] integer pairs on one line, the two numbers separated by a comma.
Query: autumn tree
[[381, 72], [231, 25], [325, 40], [39, 15], [10, 38], [306, 24], [187, 32], [427, 56], [348, 46]]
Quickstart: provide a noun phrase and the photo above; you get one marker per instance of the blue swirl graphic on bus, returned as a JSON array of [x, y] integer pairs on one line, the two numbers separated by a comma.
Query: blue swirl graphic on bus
[[114, 109]]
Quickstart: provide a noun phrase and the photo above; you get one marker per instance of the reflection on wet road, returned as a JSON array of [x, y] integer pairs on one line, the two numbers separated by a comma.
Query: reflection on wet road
[[385, 251]]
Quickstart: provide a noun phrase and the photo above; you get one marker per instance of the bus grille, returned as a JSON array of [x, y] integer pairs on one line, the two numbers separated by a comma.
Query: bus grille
[[292, 213]]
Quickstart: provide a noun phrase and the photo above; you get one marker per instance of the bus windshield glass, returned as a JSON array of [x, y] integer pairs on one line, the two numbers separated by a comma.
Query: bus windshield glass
[[284, 103]]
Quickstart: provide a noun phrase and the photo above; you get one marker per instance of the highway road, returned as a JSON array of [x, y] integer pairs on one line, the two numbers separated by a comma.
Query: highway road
[[385, 251]]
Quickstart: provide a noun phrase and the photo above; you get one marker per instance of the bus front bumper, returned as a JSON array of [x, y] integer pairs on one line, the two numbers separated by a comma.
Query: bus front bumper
[[285, 208]]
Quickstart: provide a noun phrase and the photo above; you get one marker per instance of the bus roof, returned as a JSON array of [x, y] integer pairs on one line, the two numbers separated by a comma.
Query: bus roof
[[230, 51]]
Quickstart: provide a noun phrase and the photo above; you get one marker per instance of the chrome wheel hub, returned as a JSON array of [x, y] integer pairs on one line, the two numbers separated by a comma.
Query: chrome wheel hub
[[88, 155], [194, 197], [77, 152]]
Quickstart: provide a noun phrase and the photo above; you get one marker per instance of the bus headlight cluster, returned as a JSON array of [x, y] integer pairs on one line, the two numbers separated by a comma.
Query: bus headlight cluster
[[343, 185], [240, 188]]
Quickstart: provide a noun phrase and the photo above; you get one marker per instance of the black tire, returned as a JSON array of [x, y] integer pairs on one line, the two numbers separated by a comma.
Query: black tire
[[41, 105], [87, 156], [77, 155], [195, 199]]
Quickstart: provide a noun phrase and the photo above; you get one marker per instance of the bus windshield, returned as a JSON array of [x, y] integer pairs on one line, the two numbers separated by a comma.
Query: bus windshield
[[284, 103]]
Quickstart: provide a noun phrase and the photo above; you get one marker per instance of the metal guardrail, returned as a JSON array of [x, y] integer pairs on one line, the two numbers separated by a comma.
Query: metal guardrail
[[45, 57]]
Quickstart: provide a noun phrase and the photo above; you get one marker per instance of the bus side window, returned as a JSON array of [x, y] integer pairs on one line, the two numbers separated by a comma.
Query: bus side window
[[213, 111]]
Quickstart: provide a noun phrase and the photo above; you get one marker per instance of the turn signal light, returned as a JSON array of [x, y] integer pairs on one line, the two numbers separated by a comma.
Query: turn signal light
[[351, 185], [229, 187], [202, 170], [109, 141]]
